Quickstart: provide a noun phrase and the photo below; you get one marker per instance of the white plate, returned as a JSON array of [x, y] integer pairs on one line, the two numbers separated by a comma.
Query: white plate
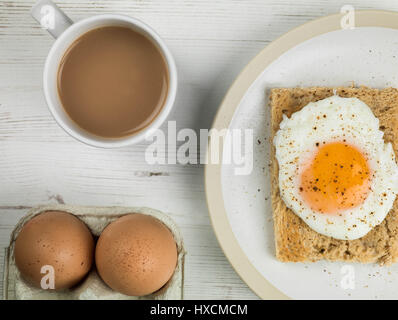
[[365, 55]]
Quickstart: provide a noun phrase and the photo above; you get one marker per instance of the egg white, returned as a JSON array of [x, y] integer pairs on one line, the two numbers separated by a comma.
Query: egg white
[[335, 119]]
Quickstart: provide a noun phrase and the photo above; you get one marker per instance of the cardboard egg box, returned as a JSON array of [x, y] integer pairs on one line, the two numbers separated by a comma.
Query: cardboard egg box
[[92, 287]]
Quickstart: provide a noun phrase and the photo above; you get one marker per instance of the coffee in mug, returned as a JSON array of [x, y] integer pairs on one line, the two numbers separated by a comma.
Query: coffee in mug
[[113, 81]]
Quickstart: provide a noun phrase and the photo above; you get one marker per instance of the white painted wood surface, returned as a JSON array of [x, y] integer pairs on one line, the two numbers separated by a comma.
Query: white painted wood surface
[[212, 40]]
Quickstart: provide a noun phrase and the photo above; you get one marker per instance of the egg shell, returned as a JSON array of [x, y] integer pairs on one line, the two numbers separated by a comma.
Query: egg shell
[[57, 239], [136, 255]]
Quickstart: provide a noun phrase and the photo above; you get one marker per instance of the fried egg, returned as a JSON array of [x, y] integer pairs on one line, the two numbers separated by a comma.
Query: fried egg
[[335, 170]]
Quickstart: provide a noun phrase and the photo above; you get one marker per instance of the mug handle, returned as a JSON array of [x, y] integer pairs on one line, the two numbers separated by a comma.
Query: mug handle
[[50, 17]]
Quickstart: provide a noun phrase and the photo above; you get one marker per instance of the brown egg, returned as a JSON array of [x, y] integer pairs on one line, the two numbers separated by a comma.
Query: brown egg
[[136, 255], [56, 239]]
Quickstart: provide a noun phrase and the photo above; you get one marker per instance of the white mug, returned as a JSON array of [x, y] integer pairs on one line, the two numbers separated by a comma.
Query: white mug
[[66, 32]]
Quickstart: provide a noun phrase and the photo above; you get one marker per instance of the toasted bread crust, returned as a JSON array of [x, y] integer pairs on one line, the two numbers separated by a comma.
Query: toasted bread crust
[[295, 241]]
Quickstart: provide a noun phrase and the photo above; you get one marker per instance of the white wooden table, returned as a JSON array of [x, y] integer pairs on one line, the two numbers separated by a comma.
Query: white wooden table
[[212, 40]]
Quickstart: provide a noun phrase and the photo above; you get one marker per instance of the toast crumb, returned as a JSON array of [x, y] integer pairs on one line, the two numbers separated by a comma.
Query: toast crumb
[[295, 241]]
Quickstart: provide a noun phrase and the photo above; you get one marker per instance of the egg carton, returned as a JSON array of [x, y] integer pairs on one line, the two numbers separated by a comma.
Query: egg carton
[[92, 287]]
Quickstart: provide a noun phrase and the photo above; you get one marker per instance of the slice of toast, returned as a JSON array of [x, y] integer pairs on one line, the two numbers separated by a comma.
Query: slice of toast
[[295, 241]]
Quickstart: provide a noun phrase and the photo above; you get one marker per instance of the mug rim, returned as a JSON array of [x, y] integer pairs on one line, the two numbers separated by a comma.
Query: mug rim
[[103, 142]]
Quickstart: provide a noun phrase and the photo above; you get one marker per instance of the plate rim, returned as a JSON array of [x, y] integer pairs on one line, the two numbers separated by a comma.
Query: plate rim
[[212, 172]]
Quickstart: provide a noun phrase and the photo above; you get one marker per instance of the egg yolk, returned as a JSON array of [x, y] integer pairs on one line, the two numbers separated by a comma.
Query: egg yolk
[[336, 179]]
